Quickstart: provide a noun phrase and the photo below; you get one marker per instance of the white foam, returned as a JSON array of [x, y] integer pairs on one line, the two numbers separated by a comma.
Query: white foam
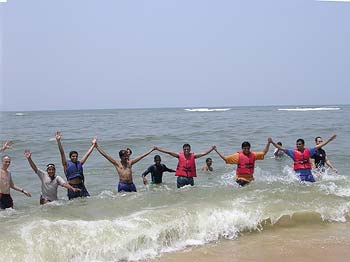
[[208, 109]]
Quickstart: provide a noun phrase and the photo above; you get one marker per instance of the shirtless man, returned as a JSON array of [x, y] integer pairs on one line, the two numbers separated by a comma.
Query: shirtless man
[[123, 168], [208, 165], [6, 183]]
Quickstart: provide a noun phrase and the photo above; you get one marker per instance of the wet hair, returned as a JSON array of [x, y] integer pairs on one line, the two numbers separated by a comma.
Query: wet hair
[[3, 157], [50, 165], [317, 137], [208, 159], [279, 143], [186, 145], [72, 152], [245, 144], [301, 140], [122, 153], [128, 149], [157, 157]]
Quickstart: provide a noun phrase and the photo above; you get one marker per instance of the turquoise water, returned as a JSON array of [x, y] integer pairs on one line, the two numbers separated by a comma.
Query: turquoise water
[[157, 219]]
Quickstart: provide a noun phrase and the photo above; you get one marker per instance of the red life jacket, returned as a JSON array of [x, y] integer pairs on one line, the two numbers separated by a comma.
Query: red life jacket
[[245, 164], [302, 159], [186, 166]]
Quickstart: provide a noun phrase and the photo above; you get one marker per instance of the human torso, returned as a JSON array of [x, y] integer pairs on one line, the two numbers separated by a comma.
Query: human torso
[[245, 166], [186, 166], [74, 172], [125, 172], [49, 186], [320, 157], [5, 181], [157, 173]]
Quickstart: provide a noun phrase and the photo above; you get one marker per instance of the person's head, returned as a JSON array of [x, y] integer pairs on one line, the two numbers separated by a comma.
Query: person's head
[[6, 161], [209, 161], [73, 155], [246, 147], [186, 148], [157, 159], [123, 154], [51, 170], [279, 143], [300, 144], [129, 151], [318, 140]]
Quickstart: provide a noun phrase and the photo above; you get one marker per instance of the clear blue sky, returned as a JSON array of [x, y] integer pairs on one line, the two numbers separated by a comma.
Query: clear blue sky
[[77, 54]]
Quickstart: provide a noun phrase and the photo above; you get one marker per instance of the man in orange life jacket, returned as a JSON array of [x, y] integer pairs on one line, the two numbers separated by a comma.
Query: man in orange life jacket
[[245, 161], [301, 157], [186, 167]]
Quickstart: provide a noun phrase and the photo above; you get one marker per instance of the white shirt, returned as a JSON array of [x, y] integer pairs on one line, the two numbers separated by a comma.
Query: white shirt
[[49, 186]]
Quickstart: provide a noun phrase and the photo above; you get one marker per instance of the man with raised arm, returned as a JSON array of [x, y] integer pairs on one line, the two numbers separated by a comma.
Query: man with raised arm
[[49, 180], [320, 159], [245, 161], [301, 157], [6, 184], [6, 145], [124, 168], [186, 167], [73, 168]]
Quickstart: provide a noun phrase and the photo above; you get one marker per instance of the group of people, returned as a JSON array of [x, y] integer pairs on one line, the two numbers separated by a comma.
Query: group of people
[[185, 171]]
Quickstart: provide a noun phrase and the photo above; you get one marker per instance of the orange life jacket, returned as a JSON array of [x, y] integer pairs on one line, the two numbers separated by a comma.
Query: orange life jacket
[[245, 164], [186, 166], [302, 159]]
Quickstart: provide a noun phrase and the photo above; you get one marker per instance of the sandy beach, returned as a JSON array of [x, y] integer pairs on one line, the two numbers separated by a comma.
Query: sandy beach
[[325, 242]]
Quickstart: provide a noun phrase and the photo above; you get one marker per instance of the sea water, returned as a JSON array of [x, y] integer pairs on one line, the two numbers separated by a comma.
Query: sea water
[[111, 226]]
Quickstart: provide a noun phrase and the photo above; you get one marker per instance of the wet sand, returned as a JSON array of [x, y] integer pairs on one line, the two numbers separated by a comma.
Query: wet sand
[[323, 242]]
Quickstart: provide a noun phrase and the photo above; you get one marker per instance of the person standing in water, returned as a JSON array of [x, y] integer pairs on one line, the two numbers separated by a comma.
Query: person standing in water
[[49, 180], [186, 167], [156, 171], [6, 183], [320, 159], [73, 168], [245, 161], [301, 157], [208, 165], [124, 168]]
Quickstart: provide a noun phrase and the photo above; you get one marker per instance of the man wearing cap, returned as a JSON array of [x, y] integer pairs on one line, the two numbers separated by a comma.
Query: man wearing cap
[[49, 180]]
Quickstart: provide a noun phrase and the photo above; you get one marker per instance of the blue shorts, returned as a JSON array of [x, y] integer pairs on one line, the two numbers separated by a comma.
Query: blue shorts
[[241, 182], [126, 187], [184, 181], [305, 175], [82, 193]]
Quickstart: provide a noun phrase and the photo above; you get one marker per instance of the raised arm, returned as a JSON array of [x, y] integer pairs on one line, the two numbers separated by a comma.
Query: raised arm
[[6, 145], [28, 155], [87, 154], [138, 158], [275, 145], [267, 147], [109, 158], [220, 154], [204, 153], [325, 142], [60, 148], [167, 152]]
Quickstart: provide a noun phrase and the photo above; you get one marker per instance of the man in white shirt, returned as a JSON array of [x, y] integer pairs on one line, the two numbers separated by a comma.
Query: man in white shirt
[[49, 180]]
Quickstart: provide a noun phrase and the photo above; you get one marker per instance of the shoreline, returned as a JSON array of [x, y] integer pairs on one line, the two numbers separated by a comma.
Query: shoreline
[[307, 243]]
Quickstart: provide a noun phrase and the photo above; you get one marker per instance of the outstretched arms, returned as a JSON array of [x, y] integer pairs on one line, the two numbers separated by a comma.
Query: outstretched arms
[[138, 158], [87, 154], [167, 152], [28, 155], [275, 145], [6, 145], [108, 157], [205, 153], [60, 148], [325, 142], [267, 147], [220, 154]]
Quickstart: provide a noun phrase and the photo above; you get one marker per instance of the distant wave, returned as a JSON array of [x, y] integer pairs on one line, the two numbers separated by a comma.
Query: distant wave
[[207, 109], [19, 114], [310, 109]]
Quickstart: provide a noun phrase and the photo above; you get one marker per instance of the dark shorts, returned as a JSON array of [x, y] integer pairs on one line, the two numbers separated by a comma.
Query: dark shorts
[[44, 200], [126, 187], [305, 175], [5, 201], [241, 182], [83, 193], [184, 181]]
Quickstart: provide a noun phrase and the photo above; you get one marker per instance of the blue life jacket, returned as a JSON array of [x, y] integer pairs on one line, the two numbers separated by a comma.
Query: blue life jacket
[[74, 170]]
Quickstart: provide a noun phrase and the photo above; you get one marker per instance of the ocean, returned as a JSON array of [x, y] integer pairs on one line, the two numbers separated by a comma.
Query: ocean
[[159, 219]]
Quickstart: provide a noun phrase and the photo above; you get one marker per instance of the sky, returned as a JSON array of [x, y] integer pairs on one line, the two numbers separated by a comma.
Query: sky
[[89, 54]]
